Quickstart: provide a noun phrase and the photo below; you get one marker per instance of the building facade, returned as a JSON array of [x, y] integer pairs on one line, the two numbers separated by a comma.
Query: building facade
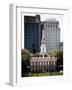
[[52, 34], [46, 64], [32, 33]]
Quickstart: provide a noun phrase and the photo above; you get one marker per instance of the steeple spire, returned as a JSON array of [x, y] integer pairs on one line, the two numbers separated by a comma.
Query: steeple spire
[[43, 46], [43, 37]]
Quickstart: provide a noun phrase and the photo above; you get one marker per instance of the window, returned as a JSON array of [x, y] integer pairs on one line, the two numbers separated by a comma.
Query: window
[[56, 25], [48, 25], [51, 26], [45, 26], [34, 63], [40, 63]]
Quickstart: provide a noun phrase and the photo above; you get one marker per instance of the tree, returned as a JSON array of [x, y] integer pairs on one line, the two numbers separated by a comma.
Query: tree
[[56, 53], [36, 55], [25, 60], [59, 55], [50, 54], [26, 55]]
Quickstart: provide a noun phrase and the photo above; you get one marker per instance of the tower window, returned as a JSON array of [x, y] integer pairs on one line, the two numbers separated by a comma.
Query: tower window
[[56, 25], [48, 25], [45, 26], [51, 25]]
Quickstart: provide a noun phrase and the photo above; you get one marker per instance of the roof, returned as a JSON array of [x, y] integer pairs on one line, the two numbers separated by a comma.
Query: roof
[[51, 20], [43, 59]]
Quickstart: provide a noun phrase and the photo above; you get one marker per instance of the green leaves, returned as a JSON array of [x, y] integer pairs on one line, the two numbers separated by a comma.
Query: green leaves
[[56, 53], [25, 62], [25, 54]]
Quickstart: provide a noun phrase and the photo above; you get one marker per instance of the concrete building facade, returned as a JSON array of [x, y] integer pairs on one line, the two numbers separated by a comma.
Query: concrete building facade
[[46, 64], [52, 34]]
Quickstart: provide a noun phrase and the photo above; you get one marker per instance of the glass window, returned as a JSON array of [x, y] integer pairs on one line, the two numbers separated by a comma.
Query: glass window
[[40, 63], [34, 63], [51, 25], [48, 25], [56, 25]]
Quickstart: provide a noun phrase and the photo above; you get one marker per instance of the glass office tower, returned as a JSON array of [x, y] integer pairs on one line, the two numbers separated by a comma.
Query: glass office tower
[[32, 33]]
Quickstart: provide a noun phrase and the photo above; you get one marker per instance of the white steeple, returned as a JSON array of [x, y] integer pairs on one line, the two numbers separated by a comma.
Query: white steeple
[[43, 46]]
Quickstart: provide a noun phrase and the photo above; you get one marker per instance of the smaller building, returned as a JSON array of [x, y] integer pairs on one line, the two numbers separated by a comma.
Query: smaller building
[[52, 34], [40, 64], [61, 46]]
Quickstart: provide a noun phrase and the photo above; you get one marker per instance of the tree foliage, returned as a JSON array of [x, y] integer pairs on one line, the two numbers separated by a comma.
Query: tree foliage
[[25, 60], [58, 54], [50, 54], [25, 54]]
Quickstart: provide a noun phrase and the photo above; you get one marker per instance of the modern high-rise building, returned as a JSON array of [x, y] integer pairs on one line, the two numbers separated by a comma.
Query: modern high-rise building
[[32, 31], [52, 34]]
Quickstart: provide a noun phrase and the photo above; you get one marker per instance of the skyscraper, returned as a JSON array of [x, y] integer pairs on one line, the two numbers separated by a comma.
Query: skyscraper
[[32, 33], [52, 34]]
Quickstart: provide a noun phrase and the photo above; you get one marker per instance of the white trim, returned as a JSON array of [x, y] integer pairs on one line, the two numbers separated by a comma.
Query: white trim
[[12, 39], [15, 45]]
